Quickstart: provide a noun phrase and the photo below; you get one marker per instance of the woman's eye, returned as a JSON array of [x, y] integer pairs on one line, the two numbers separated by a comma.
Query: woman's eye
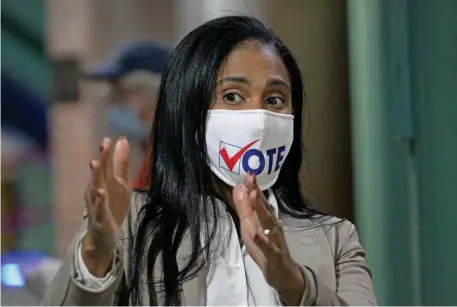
[[275, 102], [233, 98]]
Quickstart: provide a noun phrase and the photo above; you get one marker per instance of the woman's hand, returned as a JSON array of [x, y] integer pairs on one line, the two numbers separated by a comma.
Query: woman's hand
[[269, 251], [107, 200]]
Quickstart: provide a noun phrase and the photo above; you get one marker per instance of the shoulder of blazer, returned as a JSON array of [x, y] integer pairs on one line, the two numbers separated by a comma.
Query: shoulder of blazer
[[336, 230]]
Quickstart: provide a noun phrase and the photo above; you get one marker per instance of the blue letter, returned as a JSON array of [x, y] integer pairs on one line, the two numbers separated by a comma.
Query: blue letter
[[270, 154], [249, 154], [280, 157]]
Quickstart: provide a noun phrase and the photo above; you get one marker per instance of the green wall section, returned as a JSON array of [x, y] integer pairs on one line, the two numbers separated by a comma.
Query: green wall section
[[403, 82], [434, 76], [22, 43], [29, 67], [31, 15], [381, 148], [368, 120]]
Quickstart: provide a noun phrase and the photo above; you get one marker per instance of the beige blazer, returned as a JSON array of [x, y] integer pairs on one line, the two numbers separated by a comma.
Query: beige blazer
[[327, 248]]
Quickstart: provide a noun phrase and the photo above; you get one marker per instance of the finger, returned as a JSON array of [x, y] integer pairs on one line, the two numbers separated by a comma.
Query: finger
[[95, 184], [97, 175], [259, 202], [242, 202], [250, 181], [269, 249], [262, 209], [87, 191], [121, 158], [105, 156], [249, 229]]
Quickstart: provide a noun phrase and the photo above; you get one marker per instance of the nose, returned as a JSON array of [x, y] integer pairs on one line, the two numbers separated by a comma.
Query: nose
[[257, 103]]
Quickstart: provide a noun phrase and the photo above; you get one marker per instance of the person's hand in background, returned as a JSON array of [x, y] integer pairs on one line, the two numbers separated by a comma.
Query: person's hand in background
[[107, 200]]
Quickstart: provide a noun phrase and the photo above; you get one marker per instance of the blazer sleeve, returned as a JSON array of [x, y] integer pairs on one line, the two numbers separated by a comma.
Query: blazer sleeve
[[68, 287], [354, 285]]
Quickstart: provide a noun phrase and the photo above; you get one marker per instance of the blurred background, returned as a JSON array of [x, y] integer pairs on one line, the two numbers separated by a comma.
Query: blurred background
[[381, 123]]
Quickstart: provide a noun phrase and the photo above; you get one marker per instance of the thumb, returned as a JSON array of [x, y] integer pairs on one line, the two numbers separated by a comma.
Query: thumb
[[121, 157], [242, 202]]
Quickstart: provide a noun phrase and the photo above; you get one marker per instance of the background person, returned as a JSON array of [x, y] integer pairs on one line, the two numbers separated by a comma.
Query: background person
[[133, 76]]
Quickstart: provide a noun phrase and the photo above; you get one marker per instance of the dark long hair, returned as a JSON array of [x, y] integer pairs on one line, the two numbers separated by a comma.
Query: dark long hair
[[181, 194]]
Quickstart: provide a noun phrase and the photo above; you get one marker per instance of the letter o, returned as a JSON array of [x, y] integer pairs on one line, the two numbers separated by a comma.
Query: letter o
[[248, 155]]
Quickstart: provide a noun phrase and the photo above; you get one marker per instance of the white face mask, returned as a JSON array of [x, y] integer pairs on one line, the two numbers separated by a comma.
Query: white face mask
[[249, 140]]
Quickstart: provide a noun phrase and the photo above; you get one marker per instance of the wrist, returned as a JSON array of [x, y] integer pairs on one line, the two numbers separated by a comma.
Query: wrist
[[97, 261], [291, 292]]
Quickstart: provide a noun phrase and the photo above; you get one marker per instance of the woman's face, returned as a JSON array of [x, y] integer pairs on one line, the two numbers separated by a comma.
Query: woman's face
[[253, 77]]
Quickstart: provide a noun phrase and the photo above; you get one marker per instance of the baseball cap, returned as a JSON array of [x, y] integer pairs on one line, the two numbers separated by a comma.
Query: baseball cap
[[149, 56]]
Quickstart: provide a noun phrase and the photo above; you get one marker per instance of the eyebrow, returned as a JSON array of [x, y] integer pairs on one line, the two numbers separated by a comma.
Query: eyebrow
[[234, 79], [274, 81]]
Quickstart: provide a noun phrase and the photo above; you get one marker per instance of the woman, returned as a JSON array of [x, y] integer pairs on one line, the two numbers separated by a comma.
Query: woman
[[227, 153]]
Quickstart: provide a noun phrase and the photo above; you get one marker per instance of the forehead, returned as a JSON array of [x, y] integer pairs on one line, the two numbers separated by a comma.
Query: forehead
[[253, 59]]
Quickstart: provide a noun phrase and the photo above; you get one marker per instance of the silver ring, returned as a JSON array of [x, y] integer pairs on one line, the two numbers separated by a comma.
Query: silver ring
[[273, 229]]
